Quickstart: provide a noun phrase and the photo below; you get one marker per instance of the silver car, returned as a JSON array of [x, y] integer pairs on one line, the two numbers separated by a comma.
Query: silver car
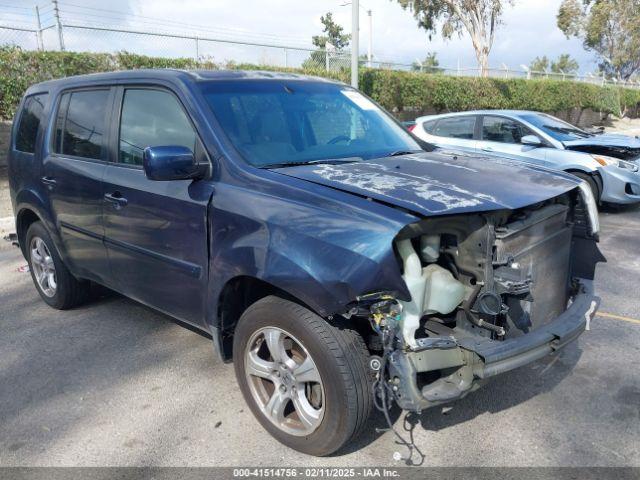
[[609, 163]]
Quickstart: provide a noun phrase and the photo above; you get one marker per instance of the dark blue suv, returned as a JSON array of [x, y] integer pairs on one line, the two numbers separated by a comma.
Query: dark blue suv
[[340, 262]]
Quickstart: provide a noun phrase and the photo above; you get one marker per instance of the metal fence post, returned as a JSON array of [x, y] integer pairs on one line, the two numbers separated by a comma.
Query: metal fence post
[[39, 32], [197, 48], [56, 13], [286, 58]]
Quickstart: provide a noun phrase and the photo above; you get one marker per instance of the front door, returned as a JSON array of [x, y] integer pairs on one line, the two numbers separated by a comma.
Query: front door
[[156, 231], [72, 170], [503, 135]]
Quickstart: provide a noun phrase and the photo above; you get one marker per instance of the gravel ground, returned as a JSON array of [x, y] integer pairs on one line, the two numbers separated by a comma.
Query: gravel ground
[[624, 126], [114, 383]]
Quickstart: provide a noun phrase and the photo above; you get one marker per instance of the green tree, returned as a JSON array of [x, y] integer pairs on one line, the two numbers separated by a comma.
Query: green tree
[[539, 64], [334, 40], [333, 34], [430, 64], [610, 28], [478, 18], [565, 64]]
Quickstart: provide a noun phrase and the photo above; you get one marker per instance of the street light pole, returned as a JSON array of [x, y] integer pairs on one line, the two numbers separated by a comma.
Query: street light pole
[[355, 47]]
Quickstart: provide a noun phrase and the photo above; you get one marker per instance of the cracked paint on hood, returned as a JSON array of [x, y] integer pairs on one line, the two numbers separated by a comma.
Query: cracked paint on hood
[[435, 183]]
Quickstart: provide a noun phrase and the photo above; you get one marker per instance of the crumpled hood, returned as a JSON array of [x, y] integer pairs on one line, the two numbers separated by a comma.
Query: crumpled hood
[[606, 139], [613, 145], [436, 183]]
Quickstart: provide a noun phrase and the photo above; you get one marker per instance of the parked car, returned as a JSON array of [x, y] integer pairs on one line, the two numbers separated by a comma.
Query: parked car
[[409, 124], [608, 163], [327, 254]]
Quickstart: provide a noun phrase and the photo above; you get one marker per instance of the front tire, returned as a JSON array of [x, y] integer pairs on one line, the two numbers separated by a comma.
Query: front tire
[[55, 284], [592, 184], [305, 380]]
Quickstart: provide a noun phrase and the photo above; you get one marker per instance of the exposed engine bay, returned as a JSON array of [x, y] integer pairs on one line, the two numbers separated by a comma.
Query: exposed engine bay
[[489, 292]]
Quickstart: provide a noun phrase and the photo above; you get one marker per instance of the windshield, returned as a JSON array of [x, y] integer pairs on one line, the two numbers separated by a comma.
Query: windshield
[[554, 127], [274, 122]]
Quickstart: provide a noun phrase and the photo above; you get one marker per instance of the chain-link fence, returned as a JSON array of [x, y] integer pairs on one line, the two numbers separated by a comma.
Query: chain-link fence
[[24, 38], [72, 34], [221, 51]]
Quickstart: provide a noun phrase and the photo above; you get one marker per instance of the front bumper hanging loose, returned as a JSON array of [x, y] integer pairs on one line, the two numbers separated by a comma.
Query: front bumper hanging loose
[[472, 359]]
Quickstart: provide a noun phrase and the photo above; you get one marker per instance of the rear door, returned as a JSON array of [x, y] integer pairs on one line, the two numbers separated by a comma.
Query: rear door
[[26, 146], [72, 171], [155, 231], [457, 131]]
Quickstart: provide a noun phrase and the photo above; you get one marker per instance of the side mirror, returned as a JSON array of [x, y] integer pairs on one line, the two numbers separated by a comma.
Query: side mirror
[[531, 141], [171, 162]]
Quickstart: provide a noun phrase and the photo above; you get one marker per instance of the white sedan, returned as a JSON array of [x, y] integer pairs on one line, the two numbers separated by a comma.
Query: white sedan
[[609, 163]]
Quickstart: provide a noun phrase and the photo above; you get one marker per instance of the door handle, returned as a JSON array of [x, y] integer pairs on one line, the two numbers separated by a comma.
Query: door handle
[[116, 199], [487, 149], [50, 182]]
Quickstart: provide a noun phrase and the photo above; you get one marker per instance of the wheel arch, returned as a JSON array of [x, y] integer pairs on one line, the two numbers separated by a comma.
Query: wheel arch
[[593, 174], [24, 219], [238, 294]]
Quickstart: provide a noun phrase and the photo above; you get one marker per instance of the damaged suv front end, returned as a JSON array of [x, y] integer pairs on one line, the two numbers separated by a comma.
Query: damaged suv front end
[[495, 278], [490, 292]]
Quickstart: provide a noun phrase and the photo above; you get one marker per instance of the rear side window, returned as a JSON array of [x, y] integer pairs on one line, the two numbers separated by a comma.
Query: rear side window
[[30, 120], [152, 118], [455, 127], [80, 123]]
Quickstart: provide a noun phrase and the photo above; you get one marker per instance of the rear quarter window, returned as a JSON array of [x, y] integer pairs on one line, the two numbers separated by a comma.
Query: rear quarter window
[[31, 117], [429, 126], [455, 127]]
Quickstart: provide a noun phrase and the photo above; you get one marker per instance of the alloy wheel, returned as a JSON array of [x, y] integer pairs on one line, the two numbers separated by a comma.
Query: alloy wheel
[[284, 381], [44, 269]]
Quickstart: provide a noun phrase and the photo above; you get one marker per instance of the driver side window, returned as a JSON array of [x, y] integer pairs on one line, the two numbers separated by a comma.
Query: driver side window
[[503, 130], [152, 118]]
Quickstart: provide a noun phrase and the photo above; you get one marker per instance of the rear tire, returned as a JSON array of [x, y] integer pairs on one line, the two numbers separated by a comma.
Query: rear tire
[[55, 284], [342, 392]]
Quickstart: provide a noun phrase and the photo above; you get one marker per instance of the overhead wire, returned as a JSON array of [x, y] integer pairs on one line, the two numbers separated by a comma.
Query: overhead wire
[[79, 11]]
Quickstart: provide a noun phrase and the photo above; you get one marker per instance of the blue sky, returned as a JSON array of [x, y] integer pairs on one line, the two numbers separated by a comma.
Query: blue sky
[[529, 28]]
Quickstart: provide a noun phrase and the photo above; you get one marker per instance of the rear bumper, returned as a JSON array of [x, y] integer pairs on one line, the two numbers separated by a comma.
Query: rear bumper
[[475, 359]]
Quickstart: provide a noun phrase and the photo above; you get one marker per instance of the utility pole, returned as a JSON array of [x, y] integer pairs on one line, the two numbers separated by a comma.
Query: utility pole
[[355, 44], [370, 46], [56, 13], [39, 32]]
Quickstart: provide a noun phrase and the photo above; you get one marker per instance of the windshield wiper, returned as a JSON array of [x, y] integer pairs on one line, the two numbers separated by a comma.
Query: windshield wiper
[[569, 131], [402, 152], [326, 161]]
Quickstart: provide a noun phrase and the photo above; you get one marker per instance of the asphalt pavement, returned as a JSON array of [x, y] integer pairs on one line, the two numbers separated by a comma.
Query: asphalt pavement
[[114, 383]]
